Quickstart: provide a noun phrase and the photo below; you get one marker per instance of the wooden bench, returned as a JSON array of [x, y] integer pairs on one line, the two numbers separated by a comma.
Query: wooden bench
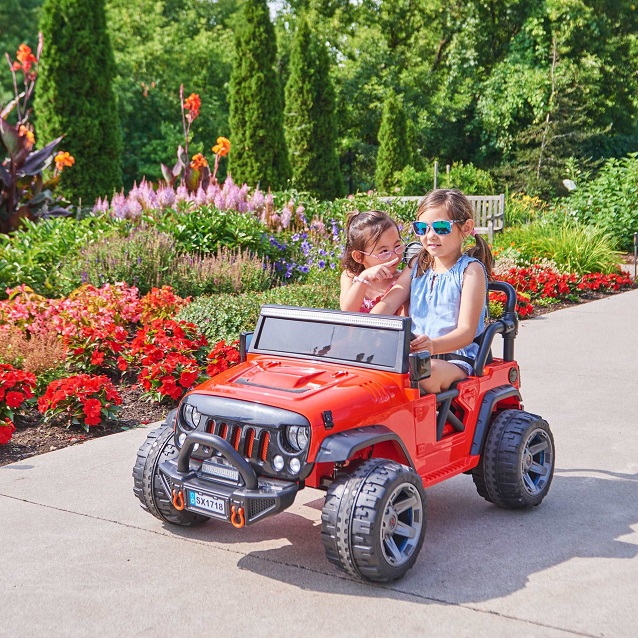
[[489, 211]]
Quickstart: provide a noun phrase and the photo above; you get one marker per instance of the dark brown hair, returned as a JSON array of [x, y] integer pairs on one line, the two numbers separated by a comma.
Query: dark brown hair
[[361, 229], [459, 208]]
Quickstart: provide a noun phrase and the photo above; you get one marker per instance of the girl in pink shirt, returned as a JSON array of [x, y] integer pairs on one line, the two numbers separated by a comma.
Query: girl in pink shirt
[[372, 254]]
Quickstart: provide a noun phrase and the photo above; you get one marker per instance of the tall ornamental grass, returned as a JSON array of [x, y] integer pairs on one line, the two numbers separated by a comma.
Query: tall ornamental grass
[[572, 247]]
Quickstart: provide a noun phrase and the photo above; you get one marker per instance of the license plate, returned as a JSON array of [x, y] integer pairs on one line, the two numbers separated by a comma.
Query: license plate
[[207, 502]]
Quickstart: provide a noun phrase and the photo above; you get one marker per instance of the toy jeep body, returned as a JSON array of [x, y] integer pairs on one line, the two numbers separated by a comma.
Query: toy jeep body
[[331, 400]]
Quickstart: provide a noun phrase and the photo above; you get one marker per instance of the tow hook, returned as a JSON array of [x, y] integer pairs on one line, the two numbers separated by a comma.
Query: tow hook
[[178, 500], [237, 516]]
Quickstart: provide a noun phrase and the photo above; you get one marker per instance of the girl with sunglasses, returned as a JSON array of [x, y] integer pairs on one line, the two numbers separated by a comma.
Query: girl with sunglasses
[[446, 288], [372, 254]]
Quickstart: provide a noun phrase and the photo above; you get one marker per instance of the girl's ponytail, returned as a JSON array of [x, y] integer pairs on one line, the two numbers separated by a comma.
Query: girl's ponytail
[[482, 252]]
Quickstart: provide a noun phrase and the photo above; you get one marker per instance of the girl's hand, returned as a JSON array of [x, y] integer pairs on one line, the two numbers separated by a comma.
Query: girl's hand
[[380, 272], [420, 343]]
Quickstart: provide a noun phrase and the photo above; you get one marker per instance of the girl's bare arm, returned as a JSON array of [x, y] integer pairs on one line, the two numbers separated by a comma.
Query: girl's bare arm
[[394, 299]]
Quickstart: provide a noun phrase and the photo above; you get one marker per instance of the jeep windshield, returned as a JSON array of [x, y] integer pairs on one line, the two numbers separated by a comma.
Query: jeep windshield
[[359, 339]]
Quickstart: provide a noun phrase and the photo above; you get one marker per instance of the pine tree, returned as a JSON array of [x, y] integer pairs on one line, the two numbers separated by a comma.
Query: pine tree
[[258, 153], [394, 146], [310, 125], [74, 97]]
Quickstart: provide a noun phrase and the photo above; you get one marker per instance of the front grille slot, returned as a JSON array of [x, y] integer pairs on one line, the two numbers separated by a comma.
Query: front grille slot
[[249, 441]]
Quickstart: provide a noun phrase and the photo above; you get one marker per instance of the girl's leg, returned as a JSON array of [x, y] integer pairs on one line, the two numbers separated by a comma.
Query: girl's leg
[[443, 375]]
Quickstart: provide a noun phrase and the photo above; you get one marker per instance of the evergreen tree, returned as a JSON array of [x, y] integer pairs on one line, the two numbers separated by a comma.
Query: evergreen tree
[[394, 147], [258, 153], [310, 123], [74, 97]]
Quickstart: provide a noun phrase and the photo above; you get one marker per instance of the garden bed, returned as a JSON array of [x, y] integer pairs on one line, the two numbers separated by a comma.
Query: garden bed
[[33, 436]]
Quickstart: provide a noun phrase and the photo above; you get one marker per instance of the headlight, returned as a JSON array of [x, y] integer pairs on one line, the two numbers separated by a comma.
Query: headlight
[[297, 437], [192, 416]]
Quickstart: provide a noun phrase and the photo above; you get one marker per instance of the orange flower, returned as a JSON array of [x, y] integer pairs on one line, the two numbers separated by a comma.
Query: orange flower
[[222, 147], [192, 104], [62, 159], [198, 161], [26, 58], [25, 132]]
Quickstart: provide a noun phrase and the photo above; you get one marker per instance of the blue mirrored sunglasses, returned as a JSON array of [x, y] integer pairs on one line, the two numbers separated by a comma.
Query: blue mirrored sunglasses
[[440, 226]]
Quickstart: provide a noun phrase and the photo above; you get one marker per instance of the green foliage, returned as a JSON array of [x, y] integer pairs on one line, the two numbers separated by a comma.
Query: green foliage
[[521, 209], [75, 96], [206, 229], [159, 46], [310, 123], [573, 247], [468, 178], [34, 254], [258, 155], [148, 258], [609, 200], [225, 316], [394, 151]]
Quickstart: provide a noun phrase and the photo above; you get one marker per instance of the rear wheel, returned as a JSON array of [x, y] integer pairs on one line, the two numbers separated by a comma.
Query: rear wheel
[[517, 464], [151, 487], [374, 519]]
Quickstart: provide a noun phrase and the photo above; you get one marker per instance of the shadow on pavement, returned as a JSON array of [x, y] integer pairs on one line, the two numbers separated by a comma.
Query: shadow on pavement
[[473, 551]]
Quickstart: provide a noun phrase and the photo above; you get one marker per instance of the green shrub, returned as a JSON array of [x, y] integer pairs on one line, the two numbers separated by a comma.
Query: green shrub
[[206, 229], [148, 258], [468, 178], [610, 200], [521, 209], [225, 316], [573, 247], [34, 254]]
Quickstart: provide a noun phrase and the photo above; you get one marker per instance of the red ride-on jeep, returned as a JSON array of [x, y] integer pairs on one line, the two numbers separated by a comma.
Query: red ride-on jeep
[[331, 400]]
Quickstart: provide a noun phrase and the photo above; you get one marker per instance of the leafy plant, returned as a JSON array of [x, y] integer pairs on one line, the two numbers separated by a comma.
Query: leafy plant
[[34, 254], [83, 400], [226, 316], [609, 200]]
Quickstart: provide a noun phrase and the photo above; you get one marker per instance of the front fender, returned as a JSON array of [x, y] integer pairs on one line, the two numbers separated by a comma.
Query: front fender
[[341, 446]]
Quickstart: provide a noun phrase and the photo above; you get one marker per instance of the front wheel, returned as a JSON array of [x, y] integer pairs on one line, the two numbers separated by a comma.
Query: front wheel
[[517, 465], [374, 519], [151, 487]]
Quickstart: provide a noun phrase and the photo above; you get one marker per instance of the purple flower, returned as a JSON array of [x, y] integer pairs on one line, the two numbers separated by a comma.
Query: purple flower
[[165, 197]]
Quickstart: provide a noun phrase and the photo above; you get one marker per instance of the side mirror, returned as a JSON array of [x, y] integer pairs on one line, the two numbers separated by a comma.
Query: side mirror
[[420, 366], [244, 343]]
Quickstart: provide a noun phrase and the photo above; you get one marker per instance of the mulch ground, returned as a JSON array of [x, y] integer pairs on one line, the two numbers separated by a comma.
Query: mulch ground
[[33, 437]]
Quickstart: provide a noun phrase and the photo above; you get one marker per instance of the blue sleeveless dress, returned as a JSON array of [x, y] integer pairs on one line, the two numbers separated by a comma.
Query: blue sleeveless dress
[[435, 302]]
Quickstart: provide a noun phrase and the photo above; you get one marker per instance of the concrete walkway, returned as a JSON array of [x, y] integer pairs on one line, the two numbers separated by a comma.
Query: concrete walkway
[[81, 558]]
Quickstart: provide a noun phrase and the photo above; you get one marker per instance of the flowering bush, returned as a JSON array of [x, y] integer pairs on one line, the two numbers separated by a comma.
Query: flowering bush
[[169, 356], [16, 386], [83, 400], [222, 357], [161, 303], [93, 349], [169, 377], [497, 304]]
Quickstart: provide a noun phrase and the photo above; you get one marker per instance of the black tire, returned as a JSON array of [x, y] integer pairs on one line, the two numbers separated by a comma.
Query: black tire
[[363, 531], [151, 487], [517, 464]]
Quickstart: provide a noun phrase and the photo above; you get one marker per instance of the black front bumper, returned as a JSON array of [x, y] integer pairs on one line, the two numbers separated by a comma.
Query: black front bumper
[[244, 502]]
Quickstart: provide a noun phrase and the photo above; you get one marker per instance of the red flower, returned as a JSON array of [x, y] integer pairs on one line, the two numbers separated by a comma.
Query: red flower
[[14, 399], [6, 431], [187, 378], [92, 409]]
